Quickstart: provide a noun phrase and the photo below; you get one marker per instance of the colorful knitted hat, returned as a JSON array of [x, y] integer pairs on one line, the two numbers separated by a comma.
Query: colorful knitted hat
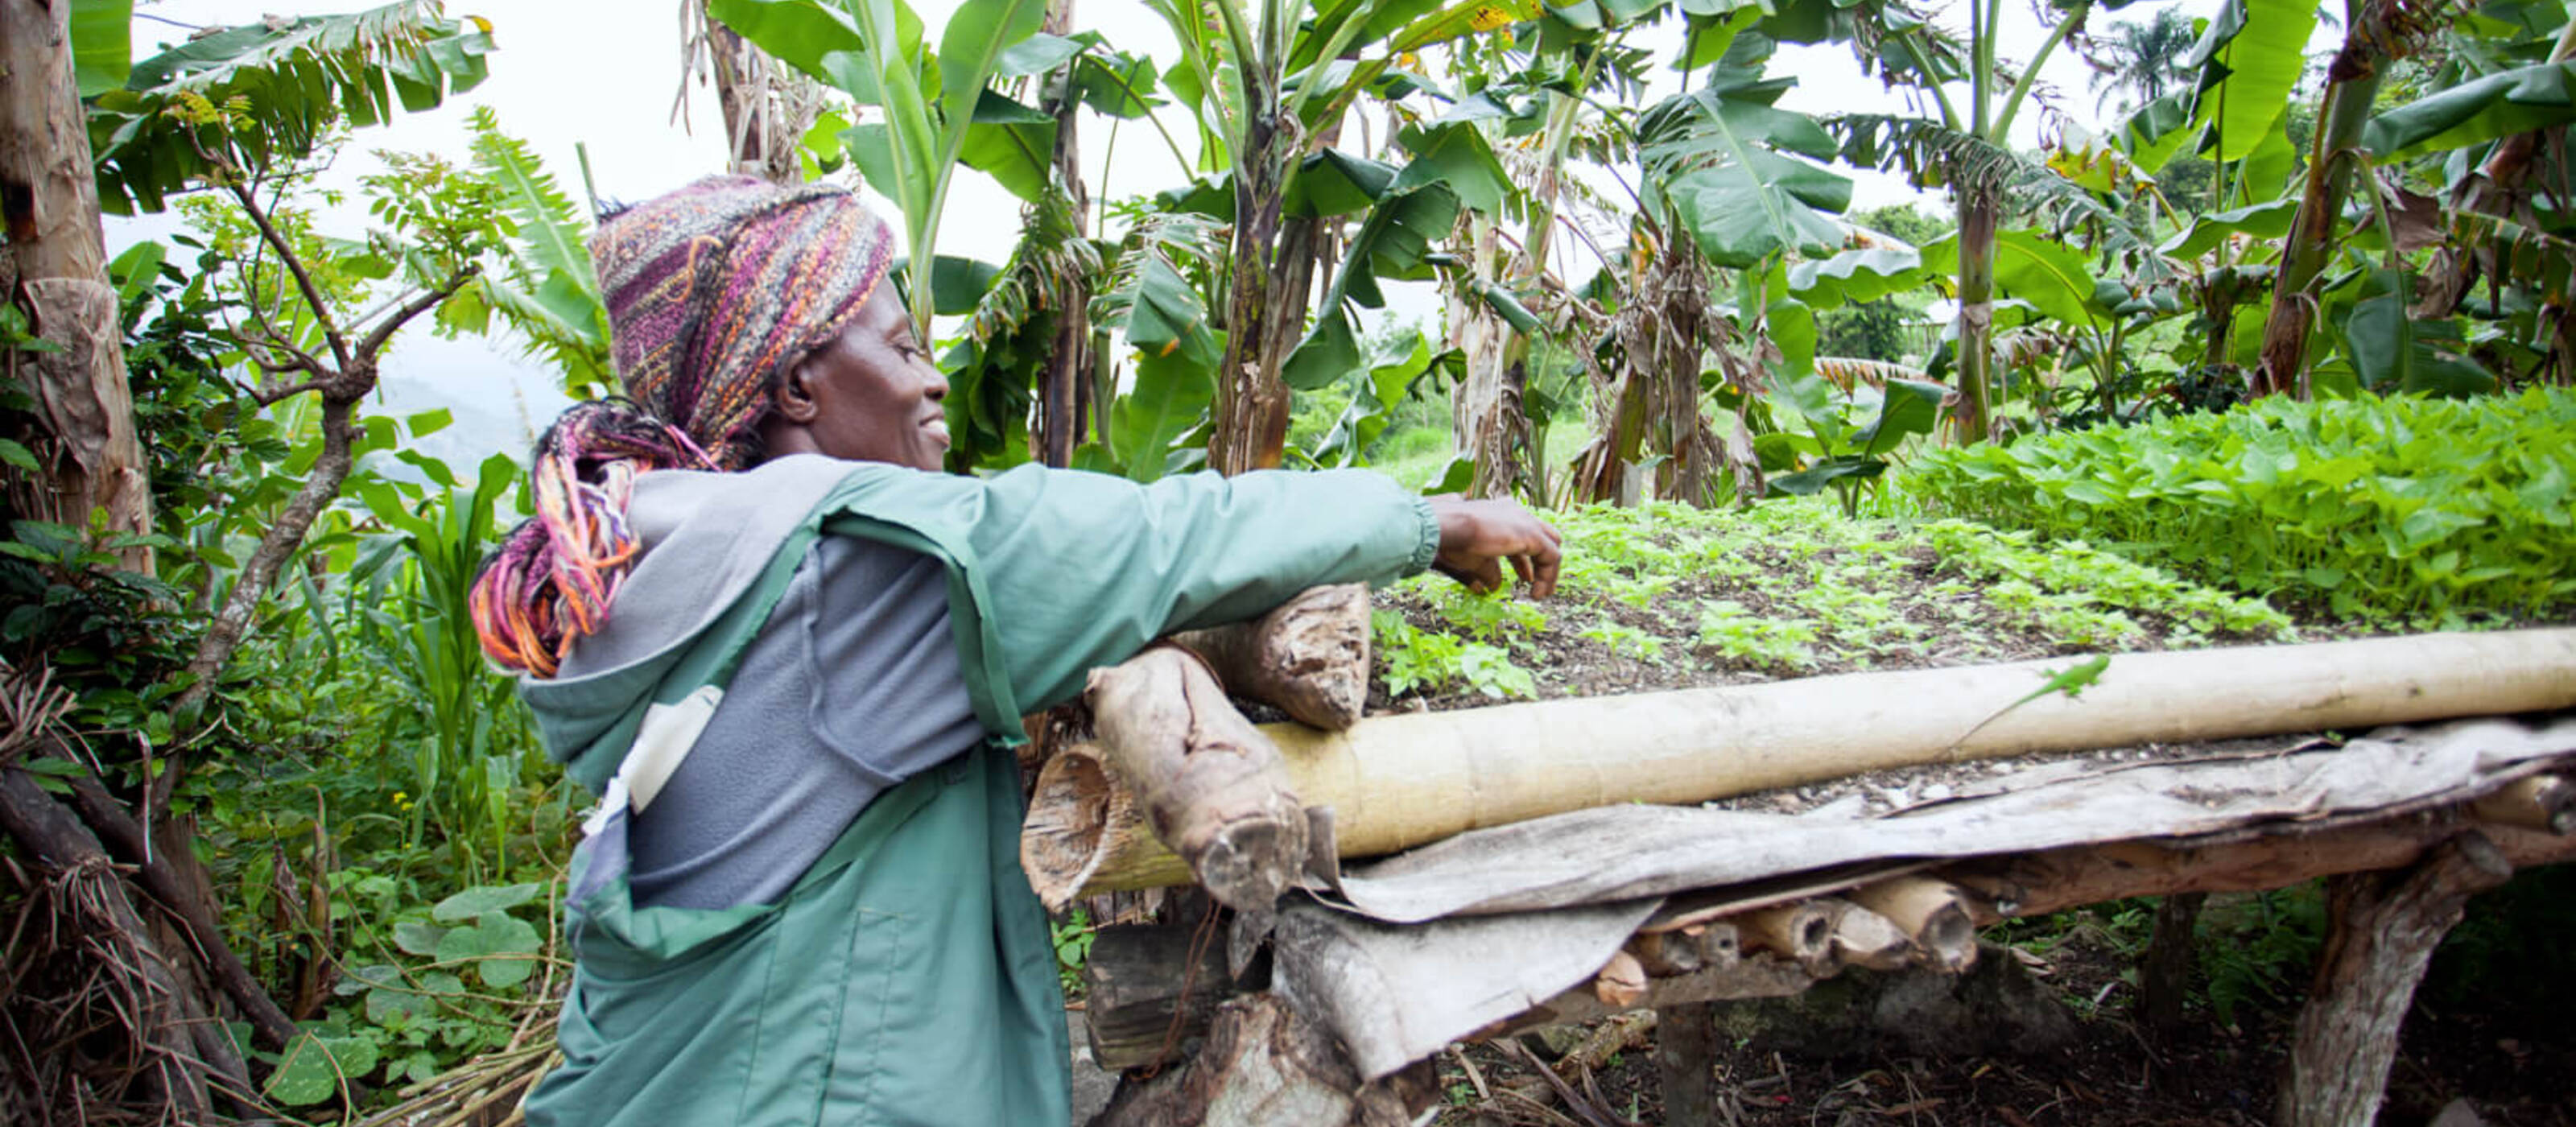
[[714, 289]]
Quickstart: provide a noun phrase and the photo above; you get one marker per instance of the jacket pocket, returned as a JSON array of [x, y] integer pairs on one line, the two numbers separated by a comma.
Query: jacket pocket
[[823, 1015]]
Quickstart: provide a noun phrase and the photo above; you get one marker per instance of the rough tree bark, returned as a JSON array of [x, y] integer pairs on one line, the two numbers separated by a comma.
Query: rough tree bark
[[1064, 383], [1210, 783], [1976, 355], [1261, 1066], [1309, 656], [1251, 418], [2385, 926], [53, 268], [1487, 414]]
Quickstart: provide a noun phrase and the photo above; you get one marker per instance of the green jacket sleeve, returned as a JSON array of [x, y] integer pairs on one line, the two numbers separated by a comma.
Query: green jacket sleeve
[[1084, 569]]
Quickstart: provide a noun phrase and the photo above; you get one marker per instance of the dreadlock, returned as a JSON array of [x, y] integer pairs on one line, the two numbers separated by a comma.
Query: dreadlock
[[553, 577]]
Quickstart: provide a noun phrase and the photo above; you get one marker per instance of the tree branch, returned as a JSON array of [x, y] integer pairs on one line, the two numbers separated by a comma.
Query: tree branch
[[276, 240], [268, 397], [375, 339], [285, 534]]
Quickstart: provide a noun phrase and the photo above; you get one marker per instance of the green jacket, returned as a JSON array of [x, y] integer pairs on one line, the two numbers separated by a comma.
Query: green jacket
[[907, 977]]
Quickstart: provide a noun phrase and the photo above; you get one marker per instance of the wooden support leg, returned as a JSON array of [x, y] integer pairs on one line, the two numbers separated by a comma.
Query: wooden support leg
[[1263, 1066], [2165, 973], [1686, 1061], [1150, 989], [2385, 926]]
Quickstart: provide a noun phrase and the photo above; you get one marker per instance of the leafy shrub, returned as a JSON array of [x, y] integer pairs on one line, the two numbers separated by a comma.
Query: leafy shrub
[[1414, 658], [2397, 507]]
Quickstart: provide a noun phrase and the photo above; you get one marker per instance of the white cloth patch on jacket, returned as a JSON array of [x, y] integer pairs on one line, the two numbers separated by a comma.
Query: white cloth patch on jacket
[[667, 734]]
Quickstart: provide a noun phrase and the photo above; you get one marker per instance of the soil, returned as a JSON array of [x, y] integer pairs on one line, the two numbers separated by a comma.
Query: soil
[[2510, 1064]]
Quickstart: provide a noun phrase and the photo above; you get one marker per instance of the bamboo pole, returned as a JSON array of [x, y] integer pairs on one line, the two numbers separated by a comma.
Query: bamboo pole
[[1394, 782]]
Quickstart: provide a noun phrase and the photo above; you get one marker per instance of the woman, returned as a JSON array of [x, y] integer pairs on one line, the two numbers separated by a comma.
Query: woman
[[791, 657]]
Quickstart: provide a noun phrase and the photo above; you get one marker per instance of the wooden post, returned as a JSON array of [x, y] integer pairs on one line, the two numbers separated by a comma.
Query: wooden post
[[2385, 926], [2164, 973], [1686, 1062]]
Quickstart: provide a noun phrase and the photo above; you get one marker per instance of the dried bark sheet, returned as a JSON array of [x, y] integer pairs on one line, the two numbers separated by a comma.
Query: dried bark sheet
[[1535, 908], [1628, 852], [1395, 994]]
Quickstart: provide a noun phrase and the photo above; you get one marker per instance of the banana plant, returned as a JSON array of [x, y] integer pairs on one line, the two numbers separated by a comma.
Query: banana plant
[[1969, 137], [242, 99], [2488, 103], [1270, 91]]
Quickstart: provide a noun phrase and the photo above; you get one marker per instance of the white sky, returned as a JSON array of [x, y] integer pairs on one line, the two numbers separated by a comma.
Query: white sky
[[606, 74]]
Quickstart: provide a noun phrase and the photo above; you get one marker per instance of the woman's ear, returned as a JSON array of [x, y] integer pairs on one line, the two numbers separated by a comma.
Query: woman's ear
[[794, 397]]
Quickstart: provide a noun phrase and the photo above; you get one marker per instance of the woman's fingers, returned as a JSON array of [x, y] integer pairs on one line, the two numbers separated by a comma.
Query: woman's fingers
[[1476, 536]]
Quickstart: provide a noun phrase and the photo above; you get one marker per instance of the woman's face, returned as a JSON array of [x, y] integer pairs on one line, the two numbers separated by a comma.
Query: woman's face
[[872, 395]]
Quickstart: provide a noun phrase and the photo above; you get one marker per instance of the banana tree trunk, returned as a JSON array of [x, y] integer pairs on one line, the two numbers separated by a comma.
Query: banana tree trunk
[[1064, 383], [89, 456], [2352, 81], [1251, 400], [1977, 207], [1486, 413], [742, 95]]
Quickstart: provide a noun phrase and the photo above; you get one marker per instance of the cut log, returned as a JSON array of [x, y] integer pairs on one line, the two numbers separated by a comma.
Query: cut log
[[2540, 802], [1071, 806], [1664, 954], [1138, 978], [1802, 933], [1210, 784], [1720, 943], [1932, 913], [1863, 938], [2385, 926], [1394, 782], [1263, 1066], [1309, 657]]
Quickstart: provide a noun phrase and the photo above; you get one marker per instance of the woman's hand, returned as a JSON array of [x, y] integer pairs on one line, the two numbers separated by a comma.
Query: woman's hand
[[1476, 536]]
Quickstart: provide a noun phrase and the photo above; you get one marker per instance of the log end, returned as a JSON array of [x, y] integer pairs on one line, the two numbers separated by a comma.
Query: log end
[[1249, 862], [1063, 842]]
